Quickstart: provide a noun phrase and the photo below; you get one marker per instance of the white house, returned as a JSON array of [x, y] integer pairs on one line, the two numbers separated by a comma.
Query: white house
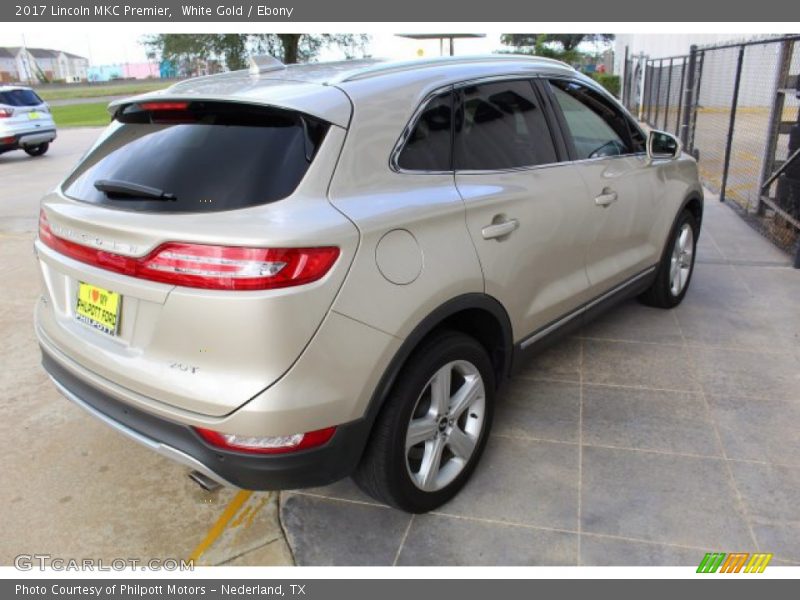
[[34, 65]]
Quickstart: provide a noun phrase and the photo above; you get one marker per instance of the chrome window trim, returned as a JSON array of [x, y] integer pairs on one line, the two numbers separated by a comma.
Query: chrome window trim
[[400, 144], [594, 86]]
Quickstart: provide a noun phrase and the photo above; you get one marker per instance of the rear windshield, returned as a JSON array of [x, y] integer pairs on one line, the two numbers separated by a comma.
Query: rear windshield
[[20, 98], [197, 157]]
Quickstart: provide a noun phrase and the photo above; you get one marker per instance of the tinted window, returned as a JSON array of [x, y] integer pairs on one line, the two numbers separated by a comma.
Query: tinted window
[[597, 127], [428, 146], [502, 126], [20, 98], [208, 156]]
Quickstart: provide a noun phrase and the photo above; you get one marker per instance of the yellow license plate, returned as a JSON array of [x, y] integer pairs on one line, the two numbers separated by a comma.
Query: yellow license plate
[[34, 115], [98, 308]]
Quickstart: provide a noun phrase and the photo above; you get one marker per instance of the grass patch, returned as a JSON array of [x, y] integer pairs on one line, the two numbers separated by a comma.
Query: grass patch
[[98, 91], [81, 115]]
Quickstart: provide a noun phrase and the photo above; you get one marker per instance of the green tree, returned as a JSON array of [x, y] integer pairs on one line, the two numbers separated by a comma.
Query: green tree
[[566, 41], [552, 45], [190, 52]]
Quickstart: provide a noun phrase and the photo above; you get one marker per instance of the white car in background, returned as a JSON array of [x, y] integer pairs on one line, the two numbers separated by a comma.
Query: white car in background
[[25, 121]]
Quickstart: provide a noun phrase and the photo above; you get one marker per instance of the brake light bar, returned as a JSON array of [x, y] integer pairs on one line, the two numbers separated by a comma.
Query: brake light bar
[[205, 266], [156, 106], [268, 444]]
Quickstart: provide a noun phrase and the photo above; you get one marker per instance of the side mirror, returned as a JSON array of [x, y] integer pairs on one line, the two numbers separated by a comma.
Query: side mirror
[[662, 145]]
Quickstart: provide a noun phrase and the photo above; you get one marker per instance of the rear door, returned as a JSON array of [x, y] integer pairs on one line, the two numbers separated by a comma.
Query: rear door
[[609, 153], [526, 207]]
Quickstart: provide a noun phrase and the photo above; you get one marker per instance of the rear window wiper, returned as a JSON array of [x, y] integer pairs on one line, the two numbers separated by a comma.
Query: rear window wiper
[[127, 189]]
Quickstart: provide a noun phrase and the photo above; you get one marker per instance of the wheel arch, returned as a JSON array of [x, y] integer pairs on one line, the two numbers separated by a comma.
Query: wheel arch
[[477, 315]]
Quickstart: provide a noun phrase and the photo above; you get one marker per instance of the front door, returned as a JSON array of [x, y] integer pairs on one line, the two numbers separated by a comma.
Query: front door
[[526, 208], [609, 153]]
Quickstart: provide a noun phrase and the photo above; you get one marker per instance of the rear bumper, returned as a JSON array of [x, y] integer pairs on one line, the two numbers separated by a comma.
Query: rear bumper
[[315, 467], [22, 140]]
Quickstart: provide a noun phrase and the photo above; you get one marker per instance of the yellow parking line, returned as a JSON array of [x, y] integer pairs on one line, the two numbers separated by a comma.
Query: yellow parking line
[[230, 511]]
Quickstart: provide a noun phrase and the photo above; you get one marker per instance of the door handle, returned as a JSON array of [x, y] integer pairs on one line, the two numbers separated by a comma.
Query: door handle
[[607, 198], [498, 230]]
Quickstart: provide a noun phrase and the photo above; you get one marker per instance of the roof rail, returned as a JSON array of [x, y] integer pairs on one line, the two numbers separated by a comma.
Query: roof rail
[[264, 63], [383, 68]]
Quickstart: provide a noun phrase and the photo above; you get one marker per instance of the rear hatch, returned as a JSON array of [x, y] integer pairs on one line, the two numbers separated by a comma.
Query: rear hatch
[[192, 254], [22, 111]]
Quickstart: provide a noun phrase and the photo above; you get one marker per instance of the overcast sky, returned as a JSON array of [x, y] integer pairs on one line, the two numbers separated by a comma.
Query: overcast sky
[[119, 47]]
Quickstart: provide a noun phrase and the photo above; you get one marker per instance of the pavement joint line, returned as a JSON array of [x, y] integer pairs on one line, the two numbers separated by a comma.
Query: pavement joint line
[[735, 262], [641, 387], [502, 522], [246, 552], [403, 541], [710, 236], [688, 344], [338, 499], [279, 518], [233, 507], [727, 463], [753, 461], [568, 531]]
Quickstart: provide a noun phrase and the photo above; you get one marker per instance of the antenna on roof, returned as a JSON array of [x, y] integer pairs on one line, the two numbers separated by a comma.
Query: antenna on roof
[[263, 63]]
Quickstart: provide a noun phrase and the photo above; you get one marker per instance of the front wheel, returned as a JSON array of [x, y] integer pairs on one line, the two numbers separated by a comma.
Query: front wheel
[[431, 432], [37, 150], [675, 270]]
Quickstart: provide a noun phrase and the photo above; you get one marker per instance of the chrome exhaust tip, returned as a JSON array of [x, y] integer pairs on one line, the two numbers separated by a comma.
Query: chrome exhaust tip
[[204, 481]]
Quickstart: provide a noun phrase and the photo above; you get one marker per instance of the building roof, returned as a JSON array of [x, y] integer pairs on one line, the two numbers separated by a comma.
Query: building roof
[[13, 51]]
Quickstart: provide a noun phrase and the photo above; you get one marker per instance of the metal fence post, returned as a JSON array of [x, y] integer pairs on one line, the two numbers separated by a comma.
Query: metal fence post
[[626, 88], [680, 98], [651, 68], [775, 117], [669, 89], [688, 98], [731, 124], [642, 82], [658, 92]]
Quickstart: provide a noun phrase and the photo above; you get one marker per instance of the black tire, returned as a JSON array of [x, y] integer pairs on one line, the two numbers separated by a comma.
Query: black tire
[[660, 294], [37, 150], [384, 472]]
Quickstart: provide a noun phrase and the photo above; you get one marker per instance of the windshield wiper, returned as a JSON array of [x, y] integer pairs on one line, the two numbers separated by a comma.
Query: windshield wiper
[[127, 189]]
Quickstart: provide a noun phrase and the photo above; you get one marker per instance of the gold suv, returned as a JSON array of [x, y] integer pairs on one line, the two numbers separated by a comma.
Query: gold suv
[[289, 275]]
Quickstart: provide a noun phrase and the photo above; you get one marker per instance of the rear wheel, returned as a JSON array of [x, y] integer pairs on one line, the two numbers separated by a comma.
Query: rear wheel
[[432, 429], [37, 150], [675, 271]]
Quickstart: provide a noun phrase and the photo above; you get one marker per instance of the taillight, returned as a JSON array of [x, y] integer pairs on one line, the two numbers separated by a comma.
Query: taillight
[[6, 113], [266, 444], [204, 266]]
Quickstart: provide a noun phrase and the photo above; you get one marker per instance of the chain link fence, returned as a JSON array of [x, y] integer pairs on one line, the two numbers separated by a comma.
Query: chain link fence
[[737, 108]]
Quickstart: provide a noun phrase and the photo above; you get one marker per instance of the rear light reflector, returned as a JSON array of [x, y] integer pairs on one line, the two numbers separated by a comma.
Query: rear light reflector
[[203, 266], [267, 444]]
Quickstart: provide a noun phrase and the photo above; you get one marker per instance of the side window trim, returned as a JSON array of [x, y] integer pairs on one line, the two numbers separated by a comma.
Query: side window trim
[[412, 123], [546, 83], [562, 155], [564, 150]]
